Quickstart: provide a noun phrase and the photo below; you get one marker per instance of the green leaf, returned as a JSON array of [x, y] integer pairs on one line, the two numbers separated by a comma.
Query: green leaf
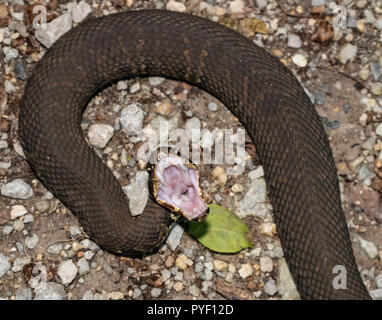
[[222, 231]]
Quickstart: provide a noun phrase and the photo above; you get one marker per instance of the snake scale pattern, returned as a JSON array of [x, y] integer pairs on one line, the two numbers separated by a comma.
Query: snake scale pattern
[[259, 90]]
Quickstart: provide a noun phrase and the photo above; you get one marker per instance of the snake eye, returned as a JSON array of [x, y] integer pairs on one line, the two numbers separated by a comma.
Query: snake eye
[[176, 186]]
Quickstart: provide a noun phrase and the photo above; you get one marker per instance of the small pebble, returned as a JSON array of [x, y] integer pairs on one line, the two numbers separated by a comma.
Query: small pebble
[[270, 288], [67, 271], [100, 134], [245, 270], [4, 264], [31, 241], [17, 189]]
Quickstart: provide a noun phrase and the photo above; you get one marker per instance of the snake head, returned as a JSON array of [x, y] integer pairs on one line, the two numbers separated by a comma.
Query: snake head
[[175, 185]]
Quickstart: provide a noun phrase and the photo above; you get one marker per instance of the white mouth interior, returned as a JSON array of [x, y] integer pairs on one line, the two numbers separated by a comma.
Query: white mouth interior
[[179, 186]]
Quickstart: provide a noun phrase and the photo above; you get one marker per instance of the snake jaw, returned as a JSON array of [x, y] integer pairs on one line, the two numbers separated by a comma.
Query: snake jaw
[[175, 185]]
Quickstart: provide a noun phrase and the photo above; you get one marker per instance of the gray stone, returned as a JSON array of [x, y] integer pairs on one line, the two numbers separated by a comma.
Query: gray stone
[[156, 81], [294, 41], [138, 193], [28, 218], [316, 3], [55, 248], [7, 230], [254, 201], [136, 293], [245, 270], [83, 266], [20, 262], [378, 281], [376, 294], [266, 264], [79, 11], [10, 54], [53, 30], [100, 134], [23, 294], [74, 231], [131, 119], [261, 4], [194, 290], [376, 70], [285, 283], [67, 271], [368, 247], [155, 292], [88, 295], [212, 106], [17, 211], [347, 53], [20, 70], [270, 287], [319, 98], [50, 291], [17, 189], [31, 241], [174, 237], [42, 205], [4, 264]]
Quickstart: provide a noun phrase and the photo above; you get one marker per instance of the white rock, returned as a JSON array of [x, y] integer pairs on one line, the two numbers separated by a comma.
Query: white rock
[[54, 30], [175, 6], [121, 85], [378, 131], [18, 211], [4, 264], [156, 81], [174, 237], [376, 294], [370, 248], [10, 54], [83, 266], [285, 283], [299, 60], [100, 134], [236, 6], [347, 53], [138, 193], [245, 270], [254, 201], [20, 262], [135, 87], [270, 287], [378, 281], [67, 271], [17, 189], [266, 264], [79, 11], [50, 291], [261, 4], [131, 119], [9, 87], [31, 241], [294, 41], [256, 173]]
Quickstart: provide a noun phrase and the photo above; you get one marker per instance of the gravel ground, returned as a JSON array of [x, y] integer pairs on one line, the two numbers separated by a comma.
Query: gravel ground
[[44, 253]]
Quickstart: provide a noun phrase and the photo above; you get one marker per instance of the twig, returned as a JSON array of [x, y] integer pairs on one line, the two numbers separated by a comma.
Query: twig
[[359, 83]]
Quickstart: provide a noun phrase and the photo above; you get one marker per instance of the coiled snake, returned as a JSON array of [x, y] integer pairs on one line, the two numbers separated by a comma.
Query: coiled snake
[[259, 90]]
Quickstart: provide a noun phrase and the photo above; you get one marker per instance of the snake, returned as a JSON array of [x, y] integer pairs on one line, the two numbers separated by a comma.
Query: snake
[[262, 93]]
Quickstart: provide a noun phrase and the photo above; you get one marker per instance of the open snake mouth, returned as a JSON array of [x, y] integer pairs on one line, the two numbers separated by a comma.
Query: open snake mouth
[[175, 185]]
